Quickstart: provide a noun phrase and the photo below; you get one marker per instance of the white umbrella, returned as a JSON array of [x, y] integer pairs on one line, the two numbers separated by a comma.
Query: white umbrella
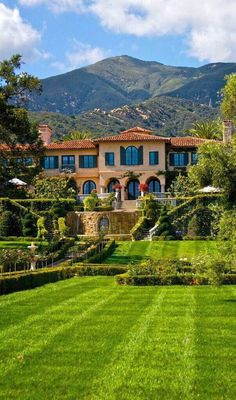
[[210, 189], [17, 182]]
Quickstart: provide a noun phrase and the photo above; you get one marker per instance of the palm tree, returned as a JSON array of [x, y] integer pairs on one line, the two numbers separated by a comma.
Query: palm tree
[[78, 135], [206, 130]]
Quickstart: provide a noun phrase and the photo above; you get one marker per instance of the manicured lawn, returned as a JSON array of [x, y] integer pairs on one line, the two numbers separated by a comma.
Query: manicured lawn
[[127, 252], [14, 244], [86, 338]]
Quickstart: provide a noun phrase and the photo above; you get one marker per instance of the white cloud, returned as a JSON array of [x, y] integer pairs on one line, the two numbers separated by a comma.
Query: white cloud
[[17, 36], [81, 55], [56, 6], [208, 26]]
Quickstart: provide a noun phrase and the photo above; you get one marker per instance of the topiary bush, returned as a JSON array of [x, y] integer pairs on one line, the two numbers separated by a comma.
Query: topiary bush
[[165, 227], [29, 225]]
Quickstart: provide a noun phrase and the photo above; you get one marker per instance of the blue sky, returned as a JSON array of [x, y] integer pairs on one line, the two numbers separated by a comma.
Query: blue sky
[[56, 36]]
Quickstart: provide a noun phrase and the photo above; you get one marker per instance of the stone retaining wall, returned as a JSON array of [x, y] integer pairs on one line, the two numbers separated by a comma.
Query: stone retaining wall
[[89, 223]]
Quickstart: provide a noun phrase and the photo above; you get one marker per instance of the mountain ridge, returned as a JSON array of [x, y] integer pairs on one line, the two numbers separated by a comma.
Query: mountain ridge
[[123, 80]]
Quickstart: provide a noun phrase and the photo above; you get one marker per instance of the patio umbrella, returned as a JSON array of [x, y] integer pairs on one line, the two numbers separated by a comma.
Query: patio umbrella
[[210, 189], [17, 182]]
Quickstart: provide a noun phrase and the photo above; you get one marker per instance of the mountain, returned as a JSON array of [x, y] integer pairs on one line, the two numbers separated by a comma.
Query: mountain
[[165, 115], [124, 80]]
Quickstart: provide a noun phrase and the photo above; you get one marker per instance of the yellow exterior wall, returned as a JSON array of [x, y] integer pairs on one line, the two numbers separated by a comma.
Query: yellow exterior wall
[[103, 174]]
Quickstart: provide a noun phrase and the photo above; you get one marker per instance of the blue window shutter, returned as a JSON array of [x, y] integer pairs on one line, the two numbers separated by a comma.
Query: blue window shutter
[[106, 158], [122, 156], [140, 155], [81, 161], [94, 161], [56, 162], [172, 159], [156, 157]]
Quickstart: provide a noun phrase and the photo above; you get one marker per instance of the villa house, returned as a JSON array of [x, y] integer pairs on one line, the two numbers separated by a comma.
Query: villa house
[[131, 158]]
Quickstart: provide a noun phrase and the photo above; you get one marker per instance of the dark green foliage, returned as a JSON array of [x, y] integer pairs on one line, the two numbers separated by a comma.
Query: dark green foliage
[[15, 282], [106, 252], [200, 223], [29, 226], [165, 227], [10, 224], [139, 228], [15, 127]]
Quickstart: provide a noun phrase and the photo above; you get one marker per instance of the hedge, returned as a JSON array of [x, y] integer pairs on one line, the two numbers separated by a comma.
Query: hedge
[[106, 252], [138, 229], [17, 282], [177, 279]]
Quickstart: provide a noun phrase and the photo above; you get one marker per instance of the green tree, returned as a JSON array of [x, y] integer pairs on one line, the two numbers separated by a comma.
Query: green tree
[[216, 166], [78, 135], [206, 130], [15, 128], [54, 187], [228, 105]]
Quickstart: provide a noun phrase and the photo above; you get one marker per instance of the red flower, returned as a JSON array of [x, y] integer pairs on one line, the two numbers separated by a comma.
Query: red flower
[[143, 187], [117, 186]]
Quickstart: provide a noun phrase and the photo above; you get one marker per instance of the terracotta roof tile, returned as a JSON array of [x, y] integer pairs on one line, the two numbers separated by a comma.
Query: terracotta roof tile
[[133, 135], [187, 141], [72, 145]]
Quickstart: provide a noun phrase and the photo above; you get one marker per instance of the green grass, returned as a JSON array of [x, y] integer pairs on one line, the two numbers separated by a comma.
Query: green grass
[[14, 244], [127, 252], [86, 338]]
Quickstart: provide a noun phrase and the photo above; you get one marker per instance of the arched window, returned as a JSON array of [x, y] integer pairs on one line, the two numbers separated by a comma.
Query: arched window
[[131, 155], [111, 184], [154, 186], [88, 186]]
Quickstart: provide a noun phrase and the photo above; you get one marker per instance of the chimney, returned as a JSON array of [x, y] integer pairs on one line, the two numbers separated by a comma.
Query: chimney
[[227, 131], [45, 133]]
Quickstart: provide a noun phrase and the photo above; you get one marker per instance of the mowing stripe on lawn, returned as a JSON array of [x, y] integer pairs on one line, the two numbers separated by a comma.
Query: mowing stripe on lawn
[[36, 347], [63, 296], [125, 352]]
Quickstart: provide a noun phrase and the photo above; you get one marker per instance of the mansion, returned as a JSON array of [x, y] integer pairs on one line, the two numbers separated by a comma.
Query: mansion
[[133, 157]]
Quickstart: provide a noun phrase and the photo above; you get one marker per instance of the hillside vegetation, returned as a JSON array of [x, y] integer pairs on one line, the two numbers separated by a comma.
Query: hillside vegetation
[[124, 80], [165, 115]]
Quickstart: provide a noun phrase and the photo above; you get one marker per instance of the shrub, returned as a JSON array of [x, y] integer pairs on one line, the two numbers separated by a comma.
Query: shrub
[[9, 224], [90, 202], [138, 229], [29, 225], [106, 252], [200, 223], [42, 231], [165, 227], [62, 228]]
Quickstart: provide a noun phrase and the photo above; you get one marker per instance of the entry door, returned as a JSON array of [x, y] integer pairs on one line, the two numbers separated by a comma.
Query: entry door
[[133, 190]]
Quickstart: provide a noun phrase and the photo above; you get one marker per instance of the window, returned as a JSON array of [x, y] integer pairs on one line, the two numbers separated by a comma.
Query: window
[[88, 187], [153, 158], [154, 186], [178, 159], [131, 155], [50, 162], [88, 161], [111, 184], [68, 162], [109, 159], [194, 158]]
